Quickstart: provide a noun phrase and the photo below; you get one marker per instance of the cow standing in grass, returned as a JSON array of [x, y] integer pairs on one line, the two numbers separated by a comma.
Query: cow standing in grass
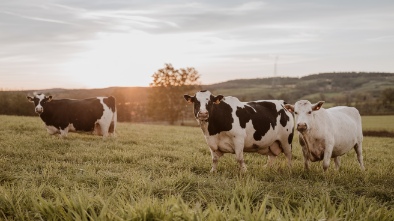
[[61, 116], [327, 133], [232, 126]]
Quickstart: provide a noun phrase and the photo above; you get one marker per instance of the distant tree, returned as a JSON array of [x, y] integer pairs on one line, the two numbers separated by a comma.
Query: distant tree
[[165, 101], [387, 96]]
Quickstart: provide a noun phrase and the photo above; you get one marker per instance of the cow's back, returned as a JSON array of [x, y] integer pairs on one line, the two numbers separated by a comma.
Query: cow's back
[[270, 123], [346, 126]]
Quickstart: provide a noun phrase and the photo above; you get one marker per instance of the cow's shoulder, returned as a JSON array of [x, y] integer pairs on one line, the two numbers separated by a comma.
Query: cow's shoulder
[[221, 118]]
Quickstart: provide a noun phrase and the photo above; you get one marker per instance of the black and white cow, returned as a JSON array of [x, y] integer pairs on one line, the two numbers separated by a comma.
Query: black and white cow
[[232, 126], [60, 116]]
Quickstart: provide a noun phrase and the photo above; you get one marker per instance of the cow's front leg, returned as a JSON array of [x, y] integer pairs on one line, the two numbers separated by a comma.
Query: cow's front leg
[[306, 157], [327, 157], [239, 153], [216, 154]]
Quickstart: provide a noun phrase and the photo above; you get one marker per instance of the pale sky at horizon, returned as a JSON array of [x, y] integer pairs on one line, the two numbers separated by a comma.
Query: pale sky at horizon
[[95, 44]]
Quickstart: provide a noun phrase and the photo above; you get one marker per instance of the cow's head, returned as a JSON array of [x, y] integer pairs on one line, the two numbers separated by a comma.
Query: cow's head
[[39, 101], [203, 101], [304, 112]]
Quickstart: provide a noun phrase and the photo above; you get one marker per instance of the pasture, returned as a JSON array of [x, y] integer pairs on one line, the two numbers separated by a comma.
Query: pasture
[[156, 172]]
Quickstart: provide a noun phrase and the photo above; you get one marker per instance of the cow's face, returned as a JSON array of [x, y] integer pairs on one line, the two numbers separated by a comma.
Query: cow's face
[[39, 101], [304, 112], [203, 101]]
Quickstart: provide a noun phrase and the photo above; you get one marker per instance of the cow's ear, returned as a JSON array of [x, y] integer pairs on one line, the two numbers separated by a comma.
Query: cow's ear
[[317, 106], [49, 98], [289, 107], [30, 98], [216, 99], [188, 98]]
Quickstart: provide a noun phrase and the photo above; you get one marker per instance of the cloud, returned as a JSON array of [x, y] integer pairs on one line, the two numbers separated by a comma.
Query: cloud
[[42, 37]]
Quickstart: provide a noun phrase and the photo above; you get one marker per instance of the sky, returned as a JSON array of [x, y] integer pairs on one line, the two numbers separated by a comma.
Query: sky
[[104, 43]]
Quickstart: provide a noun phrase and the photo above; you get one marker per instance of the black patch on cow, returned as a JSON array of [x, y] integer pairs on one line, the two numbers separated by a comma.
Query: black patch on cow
[[283, 117], [263, 117], [291, 135], [110, 102], [220, 118], [244, 114], [197, 106], [81, 113]]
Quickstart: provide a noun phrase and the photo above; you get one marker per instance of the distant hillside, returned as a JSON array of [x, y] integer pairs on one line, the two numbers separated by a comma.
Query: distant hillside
[[335, 88], [371, 93]]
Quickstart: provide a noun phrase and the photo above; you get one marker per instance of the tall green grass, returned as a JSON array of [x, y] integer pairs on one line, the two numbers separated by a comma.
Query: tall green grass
[[153, 172]]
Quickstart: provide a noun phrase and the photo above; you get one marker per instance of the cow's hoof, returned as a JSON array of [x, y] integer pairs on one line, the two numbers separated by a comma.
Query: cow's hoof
[[243, 170]]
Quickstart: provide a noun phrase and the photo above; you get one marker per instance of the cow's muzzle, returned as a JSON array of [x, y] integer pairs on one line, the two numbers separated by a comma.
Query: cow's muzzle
[[302, 127], [39, 110], [203, 115]]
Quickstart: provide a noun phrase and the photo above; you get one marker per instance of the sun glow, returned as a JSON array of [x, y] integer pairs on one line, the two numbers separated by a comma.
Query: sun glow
[[130, 59]]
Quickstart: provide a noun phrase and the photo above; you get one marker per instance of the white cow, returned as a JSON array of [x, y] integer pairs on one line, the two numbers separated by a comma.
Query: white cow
[[327, 133]]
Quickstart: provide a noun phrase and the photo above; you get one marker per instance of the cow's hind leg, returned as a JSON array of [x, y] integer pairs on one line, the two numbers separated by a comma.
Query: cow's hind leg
[[270, 161], [359, 151], [104, 126], [287, 151], [63, 132], [337, 161], [97, 129]]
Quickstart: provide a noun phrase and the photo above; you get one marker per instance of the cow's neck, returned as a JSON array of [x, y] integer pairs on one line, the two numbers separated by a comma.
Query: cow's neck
[[204, 126]]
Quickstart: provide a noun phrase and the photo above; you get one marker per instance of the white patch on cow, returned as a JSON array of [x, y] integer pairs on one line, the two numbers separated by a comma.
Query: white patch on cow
[[41, 97], [52, 130], [106, 119], [71, 127], [203, 98]]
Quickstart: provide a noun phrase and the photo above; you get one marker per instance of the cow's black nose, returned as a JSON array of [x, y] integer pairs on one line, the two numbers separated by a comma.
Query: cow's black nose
[[301, 127]]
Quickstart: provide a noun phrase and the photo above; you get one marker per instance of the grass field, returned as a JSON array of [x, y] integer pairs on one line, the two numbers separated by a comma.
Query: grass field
[[378, 123], [154, 172]]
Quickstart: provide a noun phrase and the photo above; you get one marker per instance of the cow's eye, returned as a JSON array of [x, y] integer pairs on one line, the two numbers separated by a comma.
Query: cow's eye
[[296, 112], [309, 112]]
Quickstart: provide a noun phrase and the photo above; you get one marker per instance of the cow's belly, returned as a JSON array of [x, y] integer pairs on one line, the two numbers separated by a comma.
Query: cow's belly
[[256, 145], [226, 145], [256, 148], [341, 149]]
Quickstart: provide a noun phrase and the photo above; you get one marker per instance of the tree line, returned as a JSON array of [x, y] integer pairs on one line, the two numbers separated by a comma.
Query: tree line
[[163, 100]]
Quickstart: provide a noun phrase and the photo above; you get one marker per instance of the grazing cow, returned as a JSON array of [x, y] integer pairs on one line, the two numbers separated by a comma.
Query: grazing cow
[[60, 116], [232, 126], [327, 133]]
